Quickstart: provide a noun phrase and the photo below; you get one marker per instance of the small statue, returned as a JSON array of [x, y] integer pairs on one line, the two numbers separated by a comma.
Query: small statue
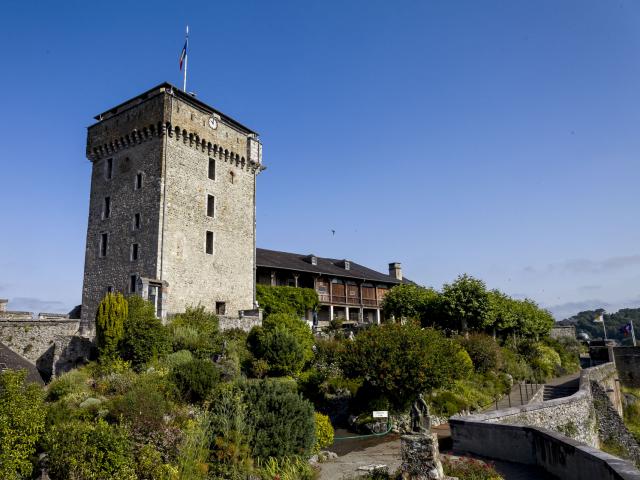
[[420, 418]]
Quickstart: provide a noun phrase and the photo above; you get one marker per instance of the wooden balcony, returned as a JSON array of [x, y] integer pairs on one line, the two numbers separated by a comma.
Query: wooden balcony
[[343, 300]]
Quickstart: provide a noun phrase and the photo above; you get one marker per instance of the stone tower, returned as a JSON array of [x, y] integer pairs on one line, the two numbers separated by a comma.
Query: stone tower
[[172, 206]]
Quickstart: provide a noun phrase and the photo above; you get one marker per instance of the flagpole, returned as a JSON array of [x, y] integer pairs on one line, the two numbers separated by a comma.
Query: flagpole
[[186, 61]]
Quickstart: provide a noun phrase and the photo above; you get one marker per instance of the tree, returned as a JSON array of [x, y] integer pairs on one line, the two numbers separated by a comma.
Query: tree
[[110, 317], [290, 300], [283, 423], [397, 361], [465, 304], [145, 338], [22, 418], [411, 301], [196, 379]]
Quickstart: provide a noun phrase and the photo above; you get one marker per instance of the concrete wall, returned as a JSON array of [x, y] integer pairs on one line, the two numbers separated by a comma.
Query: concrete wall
[[558, 455], [563, 331], [523, 434]]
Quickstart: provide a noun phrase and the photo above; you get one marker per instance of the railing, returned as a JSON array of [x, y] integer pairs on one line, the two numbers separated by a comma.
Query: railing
[[366, 302]]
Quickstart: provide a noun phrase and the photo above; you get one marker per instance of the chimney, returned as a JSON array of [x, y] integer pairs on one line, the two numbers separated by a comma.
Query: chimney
[[395, 270], [3, 304]]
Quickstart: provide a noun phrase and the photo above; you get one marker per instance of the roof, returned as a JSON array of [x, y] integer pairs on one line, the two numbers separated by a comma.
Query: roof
[[11, 360], [326, 266], [183, 96]]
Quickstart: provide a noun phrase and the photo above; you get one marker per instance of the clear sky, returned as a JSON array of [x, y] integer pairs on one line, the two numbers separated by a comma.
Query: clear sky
[[497, 138]]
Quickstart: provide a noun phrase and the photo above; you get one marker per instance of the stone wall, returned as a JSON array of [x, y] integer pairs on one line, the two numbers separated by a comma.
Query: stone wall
[[563, 331], [628, 364], [539, 433], [49, 341], [244, 321]]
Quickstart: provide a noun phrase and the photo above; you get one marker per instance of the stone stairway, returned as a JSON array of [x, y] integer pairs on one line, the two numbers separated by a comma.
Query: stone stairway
[[551, 392]]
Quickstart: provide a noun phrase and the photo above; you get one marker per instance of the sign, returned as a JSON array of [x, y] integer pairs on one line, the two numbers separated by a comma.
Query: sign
[[380, 414]]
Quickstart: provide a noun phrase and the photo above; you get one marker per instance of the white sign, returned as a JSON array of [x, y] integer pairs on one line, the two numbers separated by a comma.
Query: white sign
[[380, 414]]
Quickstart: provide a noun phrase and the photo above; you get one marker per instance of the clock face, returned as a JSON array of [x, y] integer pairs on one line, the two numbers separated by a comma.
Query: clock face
[[212, 123]]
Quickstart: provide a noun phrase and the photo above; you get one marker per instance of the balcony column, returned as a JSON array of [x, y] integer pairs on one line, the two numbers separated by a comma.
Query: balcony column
[[330, 312], [361, 319], [295, 279], [377, 316], [273, 278], [331, 294], [346, 313]]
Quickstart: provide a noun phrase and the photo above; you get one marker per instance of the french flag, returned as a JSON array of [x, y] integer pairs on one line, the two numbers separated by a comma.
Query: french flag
[[183, 54]]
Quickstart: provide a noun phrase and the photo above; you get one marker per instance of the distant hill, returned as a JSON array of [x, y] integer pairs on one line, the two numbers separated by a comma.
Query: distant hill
[[583, 322]]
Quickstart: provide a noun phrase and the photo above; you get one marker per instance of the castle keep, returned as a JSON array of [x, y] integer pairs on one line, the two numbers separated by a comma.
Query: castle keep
[[172, 207]]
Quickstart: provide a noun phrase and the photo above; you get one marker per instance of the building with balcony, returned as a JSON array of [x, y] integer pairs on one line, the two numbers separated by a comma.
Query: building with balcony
[[345, 289]]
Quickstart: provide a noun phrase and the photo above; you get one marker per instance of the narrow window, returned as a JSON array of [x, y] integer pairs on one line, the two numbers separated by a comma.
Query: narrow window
[[231, 175], [106, 208], [138, 184], [210, 243], [108, 169], [136, 221], [134, 251], [212, 169], [132, 285], [211, 205], [221, 308], [104, 239]]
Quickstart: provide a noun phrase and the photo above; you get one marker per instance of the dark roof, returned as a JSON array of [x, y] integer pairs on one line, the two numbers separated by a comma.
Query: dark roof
[[184, 96], [326, 266], [11, 360]]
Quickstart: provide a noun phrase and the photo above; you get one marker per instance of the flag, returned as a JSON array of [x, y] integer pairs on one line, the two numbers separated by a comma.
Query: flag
[[598, 319], [183, 54], [626, 329]]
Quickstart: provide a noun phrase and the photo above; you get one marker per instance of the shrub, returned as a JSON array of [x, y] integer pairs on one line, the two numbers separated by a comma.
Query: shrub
[[68, 383], [142, 409], [178, 358], [230, 450], [399, 361], [288, 300], [569, 351], [196, 330], [81, 450], [110, 317], [194, 451], [22, 419], [515, 365], [324, 432], [469, 469], [145, 338], [544, 360], [284, 342], [195, 379], [483, 350], [286, 468], [282, 422]]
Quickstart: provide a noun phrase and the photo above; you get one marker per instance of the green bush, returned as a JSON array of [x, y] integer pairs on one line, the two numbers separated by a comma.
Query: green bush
[[81, 450], [230, 432], [22, 420], [544, 360], [515, 365], [399, 361], [483, 350], [145, 338], [284, 342], [286, 468], [288, 300], [324, 432], [194, 451], [196, 330], [110, 317], [569, 351], [178, 358], [143, 409], [282, 422], [196, 379]]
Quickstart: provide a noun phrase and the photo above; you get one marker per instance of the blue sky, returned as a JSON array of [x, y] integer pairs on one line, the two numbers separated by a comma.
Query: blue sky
[[497, 138]]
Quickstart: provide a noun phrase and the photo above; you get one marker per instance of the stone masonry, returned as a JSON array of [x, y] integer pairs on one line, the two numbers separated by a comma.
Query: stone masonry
[[158, 158]]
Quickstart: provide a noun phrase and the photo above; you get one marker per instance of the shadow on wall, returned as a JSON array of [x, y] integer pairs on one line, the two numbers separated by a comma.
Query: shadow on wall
[[65, 354]]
